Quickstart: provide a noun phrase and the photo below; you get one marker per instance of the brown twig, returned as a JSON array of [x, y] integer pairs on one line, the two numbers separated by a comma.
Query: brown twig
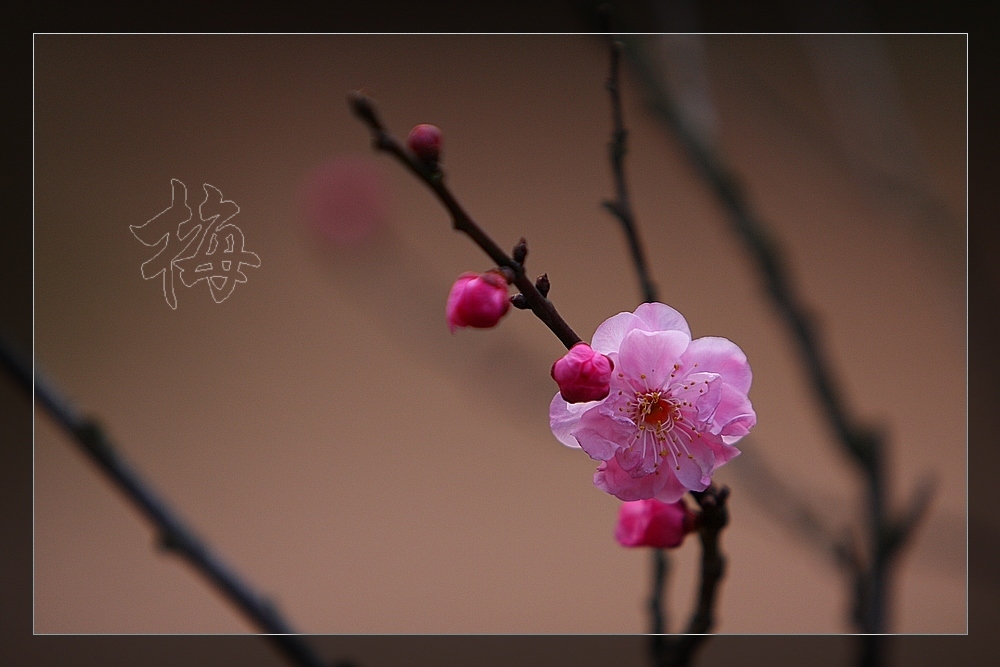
[[657, 612], [621, 207], [174, 535], [364, 108], [714, 516], [659, 624]]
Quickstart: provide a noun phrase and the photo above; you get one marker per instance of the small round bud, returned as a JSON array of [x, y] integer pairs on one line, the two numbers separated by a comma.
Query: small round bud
[[651, 523], [583, 374], [425, 142], [477, 300]]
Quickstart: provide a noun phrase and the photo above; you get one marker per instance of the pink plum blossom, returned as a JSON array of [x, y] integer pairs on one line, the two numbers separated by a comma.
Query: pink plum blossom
[[651, 523], [583, 375], [477, 300], [675, 410]]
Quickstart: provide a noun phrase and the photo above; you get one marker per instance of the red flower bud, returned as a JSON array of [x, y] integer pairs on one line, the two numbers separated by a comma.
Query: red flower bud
[[583, 375], [425, 142], [477, 300], [651, 523]]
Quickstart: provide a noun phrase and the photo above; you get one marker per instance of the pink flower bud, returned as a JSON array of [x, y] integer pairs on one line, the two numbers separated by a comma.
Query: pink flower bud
[[583, 375], [477, 300], [425, 141], [651, 523]]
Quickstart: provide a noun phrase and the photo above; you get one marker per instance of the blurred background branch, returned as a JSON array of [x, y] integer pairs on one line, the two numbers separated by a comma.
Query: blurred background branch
[[173, 534], [667, 652]]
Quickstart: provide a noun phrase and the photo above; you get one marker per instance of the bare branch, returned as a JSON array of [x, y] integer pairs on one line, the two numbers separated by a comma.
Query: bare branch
[[714, 515], [364, 108], [713, 519], [173, 533], [621, 208]]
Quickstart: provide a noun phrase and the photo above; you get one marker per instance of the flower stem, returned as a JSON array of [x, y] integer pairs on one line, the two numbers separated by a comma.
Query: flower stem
[[661, 570]]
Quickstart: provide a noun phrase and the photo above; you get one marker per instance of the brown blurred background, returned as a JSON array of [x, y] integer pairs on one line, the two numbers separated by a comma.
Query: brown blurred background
[[323, 430]]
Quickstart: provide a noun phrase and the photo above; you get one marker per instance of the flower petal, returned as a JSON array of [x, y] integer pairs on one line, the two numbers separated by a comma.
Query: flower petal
[[661, 317], [694, 473], [672, 491], [564, 417], [639, 457], [691, 457], [728, 453], [609, 335], [723, 451], [733, 438], [610, 478], [648, 357], [718, 355], [735, 416], [600, 434], [701, 390]]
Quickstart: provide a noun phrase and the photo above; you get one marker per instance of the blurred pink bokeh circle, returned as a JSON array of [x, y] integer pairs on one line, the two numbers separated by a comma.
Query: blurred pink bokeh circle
[[345, 200]]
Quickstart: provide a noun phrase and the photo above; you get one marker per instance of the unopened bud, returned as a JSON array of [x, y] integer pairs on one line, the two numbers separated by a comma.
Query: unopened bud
[[583, 374], [520, 251], [519, 302], [542, 284], [652, 523], [477, 300], [425, 142]]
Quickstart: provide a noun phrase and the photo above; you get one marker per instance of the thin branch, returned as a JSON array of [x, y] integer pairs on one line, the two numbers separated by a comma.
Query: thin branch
[[364, 108], [661, 571], [621, 208], [788, 505], [679, 651], [714, 515], [174, 535], [658, 615], [901, 530]]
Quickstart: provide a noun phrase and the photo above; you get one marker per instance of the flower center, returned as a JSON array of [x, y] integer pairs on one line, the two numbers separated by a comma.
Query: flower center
[[662, 430], [655, 410]]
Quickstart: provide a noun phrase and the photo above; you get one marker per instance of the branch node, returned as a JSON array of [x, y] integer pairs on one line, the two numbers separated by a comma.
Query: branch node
[[364, 107], [613, 208], [901, 529], [519, 302], [508, 273], [542, 284], [520, 251], [170, 541]]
